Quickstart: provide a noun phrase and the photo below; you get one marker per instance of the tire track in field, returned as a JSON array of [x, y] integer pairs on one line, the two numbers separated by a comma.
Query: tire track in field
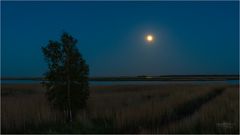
[[183, 111]]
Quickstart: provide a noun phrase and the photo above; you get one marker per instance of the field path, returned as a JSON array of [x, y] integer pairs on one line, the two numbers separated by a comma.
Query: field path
[[186, 109]]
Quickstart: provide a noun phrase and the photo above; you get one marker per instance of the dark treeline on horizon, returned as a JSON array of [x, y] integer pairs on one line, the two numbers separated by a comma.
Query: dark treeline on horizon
[[145, 78]]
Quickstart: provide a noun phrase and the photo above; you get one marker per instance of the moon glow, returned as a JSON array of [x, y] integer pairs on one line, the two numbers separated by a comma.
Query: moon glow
[[149, 38]]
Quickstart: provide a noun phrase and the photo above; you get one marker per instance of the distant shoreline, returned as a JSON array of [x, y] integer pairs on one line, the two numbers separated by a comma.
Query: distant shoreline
[[147, 78]]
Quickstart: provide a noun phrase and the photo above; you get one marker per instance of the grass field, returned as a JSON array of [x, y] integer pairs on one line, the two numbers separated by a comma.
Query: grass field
[[163, 108]]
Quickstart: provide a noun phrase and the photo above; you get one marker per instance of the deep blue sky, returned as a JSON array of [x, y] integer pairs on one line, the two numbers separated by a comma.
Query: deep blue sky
[[190, 37]]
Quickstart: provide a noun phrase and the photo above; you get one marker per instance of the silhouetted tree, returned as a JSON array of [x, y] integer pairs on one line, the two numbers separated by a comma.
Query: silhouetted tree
[[67, 77]]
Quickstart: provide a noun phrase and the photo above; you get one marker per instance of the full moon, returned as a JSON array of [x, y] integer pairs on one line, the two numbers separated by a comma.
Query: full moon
[[149, 38]]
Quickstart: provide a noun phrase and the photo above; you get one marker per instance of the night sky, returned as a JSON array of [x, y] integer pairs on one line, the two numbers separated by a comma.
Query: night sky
[[189, 37]]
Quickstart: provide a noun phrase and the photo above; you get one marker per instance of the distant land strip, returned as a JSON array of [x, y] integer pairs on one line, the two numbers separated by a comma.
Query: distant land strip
[[147, 78]]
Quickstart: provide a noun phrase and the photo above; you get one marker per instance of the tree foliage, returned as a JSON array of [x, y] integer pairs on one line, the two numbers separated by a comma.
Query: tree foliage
[[67, 77]]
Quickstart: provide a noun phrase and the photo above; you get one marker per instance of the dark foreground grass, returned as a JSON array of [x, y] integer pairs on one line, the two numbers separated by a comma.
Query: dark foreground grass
[[128, 109]]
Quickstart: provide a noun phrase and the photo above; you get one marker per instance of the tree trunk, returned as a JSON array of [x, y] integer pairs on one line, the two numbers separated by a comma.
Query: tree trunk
[[69, 101], [69, 91]]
